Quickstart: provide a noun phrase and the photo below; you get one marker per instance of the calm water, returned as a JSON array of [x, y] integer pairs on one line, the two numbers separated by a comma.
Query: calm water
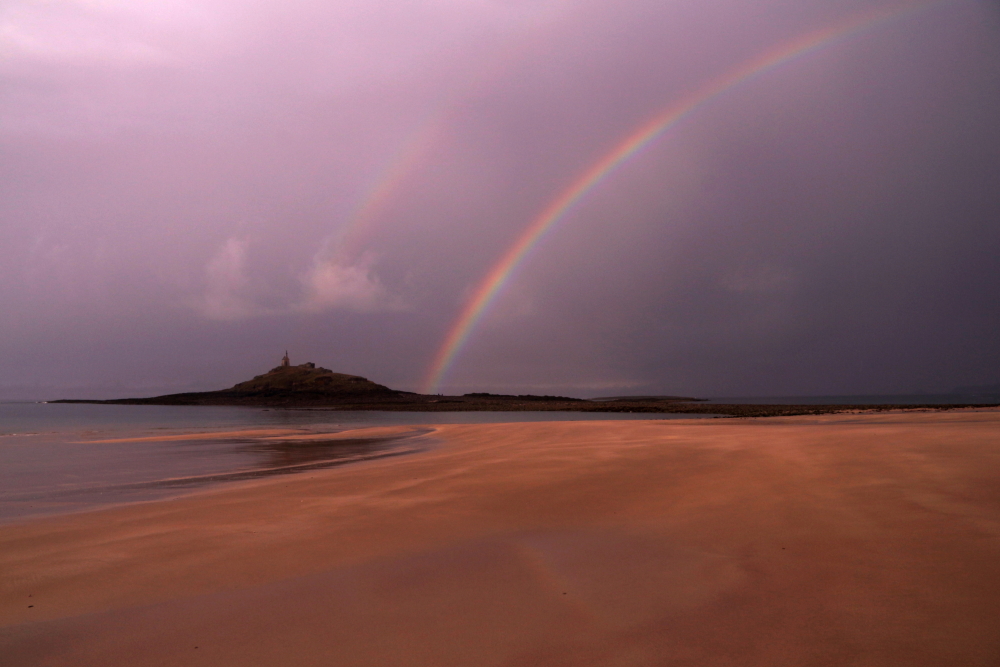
[[52, 460]]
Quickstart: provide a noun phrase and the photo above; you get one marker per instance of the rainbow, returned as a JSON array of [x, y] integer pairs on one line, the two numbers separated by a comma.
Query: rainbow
[[347, 243], [352, 236], [487, 290]]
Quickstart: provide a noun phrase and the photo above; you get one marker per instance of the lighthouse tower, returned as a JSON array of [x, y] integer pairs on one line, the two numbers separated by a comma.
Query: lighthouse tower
[[285, 361]]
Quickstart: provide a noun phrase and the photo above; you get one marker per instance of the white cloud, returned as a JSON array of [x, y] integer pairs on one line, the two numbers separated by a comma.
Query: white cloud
[[331, 285], [227, 284], [230, 294]]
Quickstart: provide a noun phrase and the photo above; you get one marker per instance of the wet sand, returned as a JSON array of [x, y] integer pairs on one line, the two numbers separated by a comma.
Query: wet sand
[[54, 475], [833, 540]]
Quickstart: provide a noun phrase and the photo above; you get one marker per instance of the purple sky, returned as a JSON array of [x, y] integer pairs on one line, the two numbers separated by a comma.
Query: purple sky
[[183, 193]]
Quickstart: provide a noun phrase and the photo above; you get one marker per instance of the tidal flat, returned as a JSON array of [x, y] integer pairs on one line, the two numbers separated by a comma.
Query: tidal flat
[[811, 540]]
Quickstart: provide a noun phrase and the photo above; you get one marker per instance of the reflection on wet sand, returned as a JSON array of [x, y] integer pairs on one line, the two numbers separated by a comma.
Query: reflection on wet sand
[[277, 455], [252, 457]]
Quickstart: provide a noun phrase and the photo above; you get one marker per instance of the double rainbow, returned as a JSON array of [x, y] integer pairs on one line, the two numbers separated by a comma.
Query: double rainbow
[[487, 290]]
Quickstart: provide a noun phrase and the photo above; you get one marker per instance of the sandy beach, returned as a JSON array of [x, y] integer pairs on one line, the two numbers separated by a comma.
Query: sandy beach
[[869, 539]]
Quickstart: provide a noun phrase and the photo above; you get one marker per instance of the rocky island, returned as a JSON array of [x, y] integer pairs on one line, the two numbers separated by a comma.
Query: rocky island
[[307, 386]]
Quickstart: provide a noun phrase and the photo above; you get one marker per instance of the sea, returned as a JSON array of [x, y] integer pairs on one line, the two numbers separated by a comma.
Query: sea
[[67, 457]]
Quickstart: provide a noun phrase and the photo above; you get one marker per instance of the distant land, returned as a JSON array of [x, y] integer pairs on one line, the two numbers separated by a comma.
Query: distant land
[[978, 389], [308, 386]]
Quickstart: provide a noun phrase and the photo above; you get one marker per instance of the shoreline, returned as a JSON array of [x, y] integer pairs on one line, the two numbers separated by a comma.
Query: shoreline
[[377, 440], [458, 404], [871, 537], [312, 451]]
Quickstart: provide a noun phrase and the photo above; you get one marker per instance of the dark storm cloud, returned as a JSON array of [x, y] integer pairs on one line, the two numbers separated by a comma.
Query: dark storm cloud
[[183, 196]]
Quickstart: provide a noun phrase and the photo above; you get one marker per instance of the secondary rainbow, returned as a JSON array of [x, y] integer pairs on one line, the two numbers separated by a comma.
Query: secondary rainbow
[[500, 274], [348, 241]]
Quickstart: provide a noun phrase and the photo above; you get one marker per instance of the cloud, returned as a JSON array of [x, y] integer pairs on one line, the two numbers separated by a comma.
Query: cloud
[[230, 293], [96, 34], [330, 285], [227, 284], [175, 171]]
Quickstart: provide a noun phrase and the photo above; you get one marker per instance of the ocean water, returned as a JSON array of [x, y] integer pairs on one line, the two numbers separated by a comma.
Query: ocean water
[[57, 458]]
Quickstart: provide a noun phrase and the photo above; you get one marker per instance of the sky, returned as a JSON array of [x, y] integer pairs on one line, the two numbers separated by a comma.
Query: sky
[[188, 189]]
